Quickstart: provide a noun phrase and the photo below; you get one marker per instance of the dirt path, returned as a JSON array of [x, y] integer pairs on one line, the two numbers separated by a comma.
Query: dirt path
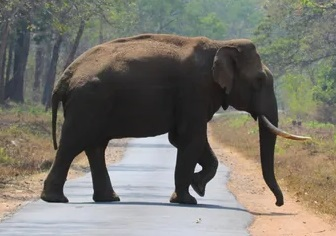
[[25, 189], [247, 184]]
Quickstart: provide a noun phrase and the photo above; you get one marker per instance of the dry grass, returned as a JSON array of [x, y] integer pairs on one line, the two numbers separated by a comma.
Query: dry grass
[[25, 143], [307, 169]]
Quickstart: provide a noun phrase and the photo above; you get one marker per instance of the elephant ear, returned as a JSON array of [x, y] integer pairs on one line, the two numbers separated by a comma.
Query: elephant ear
[[223, 69]]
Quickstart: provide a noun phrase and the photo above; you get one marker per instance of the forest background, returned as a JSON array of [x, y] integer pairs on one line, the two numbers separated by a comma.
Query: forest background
[[297, 40]]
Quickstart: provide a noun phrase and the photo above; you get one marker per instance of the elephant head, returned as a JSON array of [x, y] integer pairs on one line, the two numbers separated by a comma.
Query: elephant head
[[248, 85]]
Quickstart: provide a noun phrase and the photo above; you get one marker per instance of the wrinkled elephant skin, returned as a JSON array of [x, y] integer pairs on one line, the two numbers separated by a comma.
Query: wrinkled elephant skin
[[152, 84]]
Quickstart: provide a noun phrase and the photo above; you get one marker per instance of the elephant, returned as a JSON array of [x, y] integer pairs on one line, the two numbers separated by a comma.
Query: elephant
[[153, 84]]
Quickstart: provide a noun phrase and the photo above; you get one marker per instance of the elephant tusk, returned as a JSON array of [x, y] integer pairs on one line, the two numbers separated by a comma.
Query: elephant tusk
[[282, 133]]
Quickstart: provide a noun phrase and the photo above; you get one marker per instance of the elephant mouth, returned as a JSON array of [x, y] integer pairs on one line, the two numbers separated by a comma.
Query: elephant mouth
[[282, 133]]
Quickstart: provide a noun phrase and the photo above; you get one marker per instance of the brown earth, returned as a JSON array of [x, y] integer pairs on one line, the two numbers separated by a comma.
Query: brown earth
[[23, 190], [246, 183]]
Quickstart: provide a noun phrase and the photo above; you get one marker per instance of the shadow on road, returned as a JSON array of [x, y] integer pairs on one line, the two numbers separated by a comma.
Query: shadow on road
[[141, 145], [205, 206]]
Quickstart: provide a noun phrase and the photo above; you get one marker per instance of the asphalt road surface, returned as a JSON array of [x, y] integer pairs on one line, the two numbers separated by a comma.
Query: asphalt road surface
[[144, 180]]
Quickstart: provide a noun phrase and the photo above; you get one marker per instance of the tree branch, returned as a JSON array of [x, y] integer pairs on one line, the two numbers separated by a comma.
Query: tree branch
[[305, 63], [164, 26], [326, 6]]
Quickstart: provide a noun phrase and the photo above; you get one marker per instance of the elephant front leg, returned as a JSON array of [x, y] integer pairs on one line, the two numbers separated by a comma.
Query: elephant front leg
[[187, 157], [209, 163], [207, 160], [103, 190]]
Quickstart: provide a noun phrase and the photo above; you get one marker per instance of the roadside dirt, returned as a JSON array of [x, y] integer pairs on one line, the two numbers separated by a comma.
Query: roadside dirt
[[23, 190], [292, 219]]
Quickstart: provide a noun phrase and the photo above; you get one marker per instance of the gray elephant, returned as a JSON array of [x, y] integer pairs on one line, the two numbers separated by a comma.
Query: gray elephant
[[153, 84]]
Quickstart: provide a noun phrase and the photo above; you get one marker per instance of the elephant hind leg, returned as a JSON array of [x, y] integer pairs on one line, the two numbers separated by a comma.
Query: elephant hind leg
[[102, 187], [209, 164], [54, 183]]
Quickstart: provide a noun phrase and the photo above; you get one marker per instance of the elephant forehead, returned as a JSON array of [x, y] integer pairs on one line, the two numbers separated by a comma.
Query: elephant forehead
[[244, 44]]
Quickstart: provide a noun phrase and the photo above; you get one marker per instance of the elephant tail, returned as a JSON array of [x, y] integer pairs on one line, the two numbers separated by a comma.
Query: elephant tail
[[58, 96], [54, 108]]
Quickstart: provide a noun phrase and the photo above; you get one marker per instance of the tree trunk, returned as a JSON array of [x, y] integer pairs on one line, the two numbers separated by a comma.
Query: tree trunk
[[72, 53], [39, 65], [48, 48], [15, 86], [4, 36], [3, 66], [9, 61], [51, 75]]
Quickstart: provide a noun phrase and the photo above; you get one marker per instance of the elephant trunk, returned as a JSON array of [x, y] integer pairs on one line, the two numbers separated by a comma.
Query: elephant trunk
[[267, 141]]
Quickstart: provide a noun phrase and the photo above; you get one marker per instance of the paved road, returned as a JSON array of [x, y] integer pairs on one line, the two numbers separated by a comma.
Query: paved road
[[144, 181]]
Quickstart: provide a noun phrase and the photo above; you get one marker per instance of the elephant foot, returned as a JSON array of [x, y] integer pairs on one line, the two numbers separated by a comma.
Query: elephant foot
[[106, 197], [54, 197], [198, 185], [185, 198]]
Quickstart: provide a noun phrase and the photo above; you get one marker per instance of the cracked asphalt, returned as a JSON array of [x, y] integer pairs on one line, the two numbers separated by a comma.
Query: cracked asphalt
[[144, 180]]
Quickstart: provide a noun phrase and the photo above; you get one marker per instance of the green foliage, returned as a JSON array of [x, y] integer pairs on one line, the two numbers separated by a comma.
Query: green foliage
[[4, 158], [325, 88], [297, 94], [198, 20], [318, 125], [297, 41], [236, 120], [212, 18], [278, 150], [26, 108], [316, 4], [308, 3], [277, 52]]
